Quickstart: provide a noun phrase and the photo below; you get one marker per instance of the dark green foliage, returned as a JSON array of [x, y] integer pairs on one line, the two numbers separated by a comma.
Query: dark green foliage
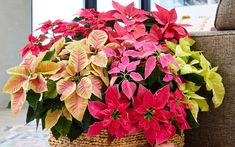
[[110, 23], [78, 36], [204, 93], [55, 133], [77, 19], [51, 93], [63, 126], [190, 119], [87, 120], [87, 25], [55, 103], [195, 78], [154, 76], [33, 98], [30, 115], [48, 55], [149, 22], [8, 105], [75, 130]]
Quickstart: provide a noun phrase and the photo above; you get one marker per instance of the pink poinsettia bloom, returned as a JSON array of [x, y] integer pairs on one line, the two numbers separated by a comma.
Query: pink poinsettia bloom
[[164, 64], [149, 112], [126, 69], [113, 114], [168, 20]]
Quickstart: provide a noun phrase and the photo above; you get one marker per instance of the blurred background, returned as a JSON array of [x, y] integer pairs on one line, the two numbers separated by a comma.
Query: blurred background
[[21, 17]]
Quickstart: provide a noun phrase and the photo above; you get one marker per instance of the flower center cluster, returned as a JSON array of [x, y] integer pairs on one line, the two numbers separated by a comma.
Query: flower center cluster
[[149, 114], [115, 115]]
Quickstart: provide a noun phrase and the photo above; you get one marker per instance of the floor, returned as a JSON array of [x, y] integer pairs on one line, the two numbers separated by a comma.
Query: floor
[[14, 132]]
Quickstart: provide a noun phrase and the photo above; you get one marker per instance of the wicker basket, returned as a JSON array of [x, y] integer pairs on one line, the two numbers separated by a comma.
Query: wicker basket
[[101, 140]]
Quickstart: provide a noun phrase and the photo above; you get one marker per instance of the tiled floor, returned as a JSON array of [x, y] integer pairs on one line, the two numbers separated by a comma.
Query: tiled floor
[[14, 132]]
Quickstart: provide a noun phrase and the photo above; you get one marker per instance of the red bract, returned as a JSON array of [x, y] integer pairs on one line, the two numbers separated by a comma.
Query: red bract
[[150, 113], [177, 108], [167, 19], [67, 29], [113, 114], [34, 45], [129, 14], [90, 17], [48, 25]]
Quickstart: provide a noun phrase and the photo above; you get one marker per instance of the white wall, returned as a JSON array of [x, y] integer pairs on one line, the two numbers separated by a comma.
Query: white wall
[[15, 25]]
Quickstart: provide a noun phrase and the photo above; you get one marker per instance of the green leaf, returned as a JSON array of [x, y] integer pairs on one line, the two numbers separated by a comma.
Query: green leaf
[[8, 105], [202, 105], [185, 48], [63, 126], [187, 41], [42, 108], [110, 23], [187, 69], [193, 62], [43, 121], [190, 86], [87, 120], [75, 131], [195, 96], [55, 133], [51, 92], [190, 119], [214, 82], [195, 78], [55, 103], [171, 45], [48, 55], [180, 61], [194, 108], [153, 76], [205, 64], [180, 52], [33, 98], [77, 19], [31, 115]]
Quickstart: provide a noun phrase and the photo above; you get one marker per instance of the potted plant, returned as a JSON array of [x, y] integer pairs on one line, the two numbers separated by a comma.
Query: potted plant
[[124, 77]]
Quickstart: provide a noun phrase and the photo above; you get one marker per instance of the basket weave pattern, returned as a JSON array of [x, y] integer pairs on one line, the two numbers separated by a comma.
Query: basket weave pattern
[[101, 140]]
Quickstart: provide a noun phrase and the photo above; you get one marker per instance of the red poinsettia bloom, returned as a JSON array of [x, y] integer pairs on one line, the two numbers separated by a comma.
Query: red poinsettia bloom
[[177, 108], [150, 114], [90, 17], [48, 25], [128, 14], [34, 45], [168, 20], [113, 114]]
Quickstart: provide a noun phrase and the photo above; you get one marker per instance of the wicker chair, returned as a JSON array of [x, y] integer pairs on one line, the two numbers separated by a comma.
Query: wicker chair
[[217, 128]]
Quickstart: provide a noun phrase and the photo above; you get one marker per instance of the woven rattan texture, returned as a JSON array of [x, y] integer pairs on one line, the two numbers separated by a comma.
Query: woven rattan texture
[[101, 140]]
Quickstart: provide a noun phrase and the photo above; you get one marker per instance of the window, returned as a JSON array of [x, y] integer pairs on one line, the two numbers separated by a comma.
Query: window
[[105, 5], [44, 10], [199, 13]]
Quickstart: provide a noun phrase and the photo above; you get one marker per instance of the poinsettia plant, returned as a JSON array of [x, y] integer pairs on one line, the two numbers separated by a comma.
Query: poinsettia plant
[[125, 70]]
